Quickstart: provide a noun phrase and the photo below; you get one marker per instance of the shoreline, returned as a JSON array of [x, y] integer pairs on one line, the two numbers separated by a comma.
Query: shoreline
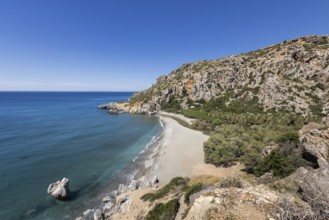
[[177, 151], [180, 151]]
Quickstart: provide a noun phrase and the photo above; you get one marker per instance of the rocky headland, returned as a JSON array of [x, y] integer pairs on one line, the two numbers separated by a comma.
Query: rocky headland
[[266, 157]]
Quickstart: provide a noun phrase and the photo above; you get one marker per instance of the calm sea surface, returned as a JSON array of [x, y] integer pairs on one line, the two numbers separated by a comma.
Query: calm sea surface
[[45, 136]]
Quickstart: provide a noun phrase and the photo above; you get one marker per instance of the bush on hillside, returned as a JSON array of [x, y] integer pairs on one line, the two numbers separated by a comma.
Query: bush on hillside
[[162, 211]]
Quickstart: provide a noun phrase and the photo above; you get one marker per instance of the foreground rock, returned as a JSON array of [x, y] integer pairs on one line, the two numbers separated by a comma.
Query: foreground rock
[[314, 183], [250, 202], [60, 189], [117, 202]]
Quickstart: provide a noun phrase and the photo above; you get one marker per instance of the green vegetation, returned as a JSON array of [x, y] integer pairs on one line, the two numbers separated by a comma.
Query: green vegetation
[[141, 96], [284, 160], [162, 211], [172, 106], [240, 129], [191, 190], [233, 142], [231, 182], [322, 44], [176, 184]]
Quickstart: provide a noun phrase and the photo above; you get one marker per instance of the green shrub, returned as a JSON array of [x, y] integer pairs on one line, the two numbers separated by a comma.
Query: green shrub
[[251, 158], [172, 106], [231, 182], [147, 196], [191, 190], [167, 211], [275, 162], [175, 184], [289, 136]]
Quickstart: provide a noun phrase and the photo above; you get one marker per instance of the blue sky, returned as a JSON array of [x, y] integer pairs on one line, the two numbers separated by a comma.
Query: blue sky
[[121, 45]]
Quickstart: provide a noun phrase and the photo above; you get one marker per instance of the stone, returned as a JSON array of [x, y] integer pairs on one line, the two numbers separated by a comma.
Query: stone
[[60, 189], [98, 215], [88, 212], [268, 150], [106, 199], [123, 204], [314, 183], [144, 182], [325, 120], [266, 178], [122, 189], [109, 105], [134, 184], [108, 206], [315, 145], [154, 181]]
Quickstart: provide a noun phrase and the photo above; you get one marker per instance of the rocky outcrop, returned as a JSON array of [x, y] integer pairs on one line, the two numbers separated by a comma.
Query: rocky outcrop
[[314, 183], [60, 189], [127, 107], [315, 146], [117, 202], [250, 202], [115, 108], [296, 70]]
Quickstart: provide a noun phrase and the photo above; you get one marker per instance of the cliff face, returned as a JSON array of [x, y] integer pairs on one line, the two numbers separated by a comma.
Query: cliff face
[[292, 75]]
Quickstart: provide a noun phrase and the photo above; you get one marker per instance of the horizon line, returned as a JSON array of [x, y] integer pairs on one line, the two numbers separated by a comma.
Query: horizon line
[[60, 91]]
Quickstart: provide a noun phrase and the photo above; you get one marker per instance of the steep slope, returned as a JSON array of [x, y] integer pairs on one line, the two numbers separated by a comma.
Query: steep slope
[[291, 76]]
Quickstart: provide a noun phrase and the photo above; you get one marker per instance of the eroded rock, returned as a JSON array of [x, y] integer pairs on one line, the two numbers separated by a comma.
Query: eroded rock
[[60, 189]]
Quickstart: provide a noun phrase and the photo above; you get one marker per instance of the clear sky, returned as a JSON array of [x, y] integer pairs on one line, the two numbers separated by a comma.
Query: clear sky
[[124, 45]]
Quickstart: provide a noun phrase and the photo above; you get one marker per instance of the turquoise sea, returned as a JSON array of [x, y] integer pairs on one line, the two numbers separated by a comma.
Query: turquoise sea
[[45, 136]]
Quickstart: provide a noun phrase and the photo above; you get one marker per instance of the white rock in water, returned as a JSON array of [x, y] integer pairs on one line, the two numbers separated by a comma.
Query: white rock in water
[[88, 212], [60, 190], [106, 199]]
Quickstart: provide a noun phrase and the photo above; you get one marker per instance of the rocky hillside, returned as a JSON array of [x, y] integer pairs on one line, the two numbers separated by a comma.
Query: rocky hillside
[[291, 76]]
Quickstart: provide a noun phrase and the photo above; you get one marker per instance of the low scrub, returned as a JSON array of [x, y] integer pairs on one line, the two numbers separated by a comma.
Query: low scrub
[[191, 190], [176, 184], [231, 182], [167, 211]]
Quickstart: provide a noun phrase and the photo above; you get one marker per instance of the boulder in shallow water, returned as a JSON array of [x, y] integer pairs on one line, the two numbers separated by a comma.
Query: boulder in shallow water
[[60, 189]]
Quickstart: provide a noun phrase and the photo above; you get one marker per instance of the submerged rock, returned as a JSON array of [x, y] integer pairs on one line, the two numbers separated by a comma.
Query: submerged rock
[[60, 189]]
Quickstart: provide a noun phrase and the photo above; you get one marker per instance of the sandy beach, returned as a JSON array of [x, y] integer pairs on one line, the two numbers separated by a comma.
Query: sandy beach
[[181, 154]]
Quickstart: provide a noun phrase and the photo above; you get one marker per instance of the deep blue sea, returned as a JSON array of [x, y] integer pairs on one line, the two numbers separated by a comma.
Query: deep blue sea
[[45, 136]]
